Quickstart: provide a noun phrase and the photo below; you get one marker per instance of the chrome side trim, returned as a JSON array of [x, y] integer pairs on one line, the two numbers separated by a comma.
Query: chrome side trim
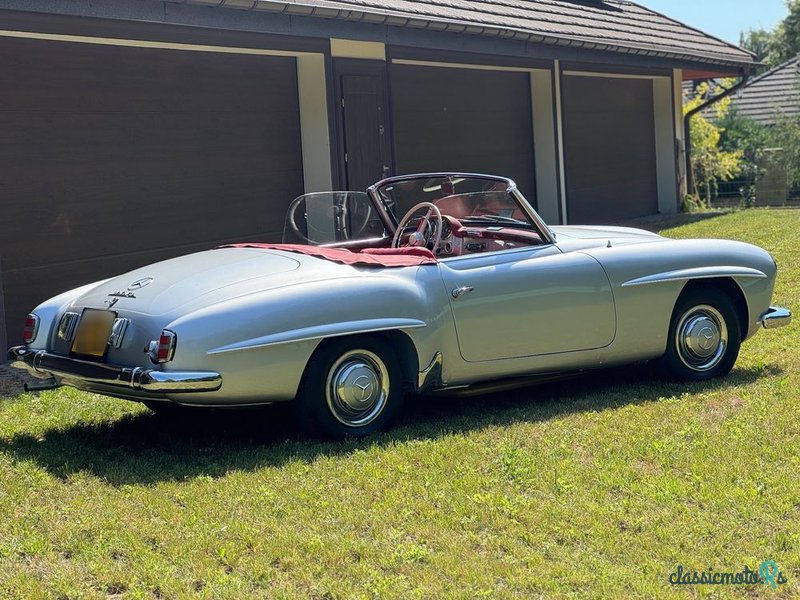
[[68, 371], [696, 273], [430, 378], [775, 317], [320, 331]]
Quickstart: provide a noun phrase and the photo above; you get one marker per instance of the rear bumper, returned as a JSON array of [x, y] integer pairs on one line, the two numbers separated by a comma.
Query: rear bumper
[[776, 317], [85, 374]]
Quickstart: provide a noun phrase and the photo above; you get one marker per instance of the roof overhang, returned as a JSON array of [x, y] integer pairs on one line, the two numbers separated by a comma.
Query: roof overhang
[[342, 10]]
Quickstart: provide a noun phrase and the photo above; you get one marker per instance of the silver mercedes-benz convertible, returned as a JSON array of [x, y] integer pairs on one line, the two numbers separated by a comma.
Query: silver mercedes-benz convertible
[[438, 282]]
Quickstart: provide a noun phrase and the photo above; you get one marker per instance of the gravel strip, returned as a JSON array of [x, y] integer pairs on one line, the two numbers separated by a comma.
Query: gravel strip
[[11, 381]]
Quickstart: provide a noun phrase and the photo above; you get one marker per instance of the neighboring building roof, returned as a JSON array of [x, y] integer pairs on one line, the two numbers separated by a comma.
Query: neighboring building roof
[[610, 25], [775, 93]]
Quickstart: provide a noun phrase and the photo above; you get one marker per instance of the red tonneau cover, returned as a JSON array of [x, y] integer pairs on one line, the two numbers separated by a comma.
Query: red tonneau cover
[[368, 257]]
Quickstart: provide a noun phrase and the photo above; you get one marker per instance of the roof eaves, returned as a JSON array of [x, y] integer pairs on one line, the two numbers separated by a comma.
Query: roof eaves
[[682, 24], [389, 17]]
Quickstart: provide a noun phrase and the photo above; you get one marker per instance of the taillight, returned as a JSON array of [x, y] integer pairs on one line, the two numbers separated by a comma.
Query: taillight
[[163, 350], [31, 328]]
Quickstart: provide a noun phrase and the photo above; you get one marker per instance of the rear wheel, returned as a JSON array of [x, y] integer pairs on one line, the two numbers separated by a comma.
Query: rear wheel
[[352, 387], [704, 336]]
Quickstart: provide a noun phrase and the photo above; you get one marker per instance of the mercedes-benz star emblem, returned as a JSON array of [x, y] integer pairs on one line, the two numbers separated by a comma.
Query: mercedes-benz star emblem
[[140, 283], [708, 339], [365, 385]]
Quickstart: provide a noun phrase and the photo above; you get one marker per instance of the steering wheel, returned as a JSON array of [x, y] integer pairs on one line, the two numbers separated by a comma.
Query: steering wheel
[[427, 231]]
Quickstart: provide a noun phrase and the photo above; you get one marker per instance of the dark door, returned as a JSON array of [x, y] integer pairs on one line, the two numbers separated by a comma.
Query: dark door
[[448, 119], [609, 148], [365, 135], [113, 157]]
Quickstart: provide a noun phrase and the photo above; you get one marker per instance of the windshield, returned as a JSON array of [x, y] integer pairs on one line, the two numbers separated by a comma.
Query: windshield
[[467, 198], [331, 217], [364, 219]]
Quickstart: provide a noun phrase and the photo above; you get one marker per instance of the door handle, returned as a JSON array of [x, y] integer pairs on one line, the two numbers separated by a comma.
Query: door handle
[[460, 291]]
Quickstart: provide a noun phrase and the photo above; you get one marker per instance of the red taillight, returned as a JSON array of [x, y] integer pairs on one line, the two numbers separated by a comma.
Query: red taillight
[[31, 328], [166, 346]]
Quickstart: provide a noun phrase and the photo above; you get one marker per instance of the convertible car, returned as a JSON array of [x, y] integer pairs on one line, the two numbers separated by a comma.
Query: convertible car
[[442, 282]]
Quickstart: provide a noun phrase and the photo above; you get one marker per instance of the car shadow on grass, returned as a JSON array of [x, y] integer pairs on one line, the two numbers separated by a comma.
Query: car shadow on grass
[[665, 222], [145, 448]]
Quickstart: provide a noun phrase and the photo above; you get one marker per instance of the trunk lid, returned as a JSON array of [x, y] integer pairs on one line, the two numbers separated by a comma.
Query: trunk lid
[[198, 279]]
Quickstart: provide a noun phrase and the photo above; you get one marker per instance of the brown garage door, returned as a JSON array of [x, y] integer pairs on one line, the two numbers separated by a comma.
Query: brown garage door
[[463, 120], [609, 148], [115, 157]]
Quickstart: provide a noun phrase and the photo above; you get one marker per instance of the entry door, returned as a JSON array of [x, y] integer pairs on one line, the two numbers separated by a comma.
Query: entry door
[[366, 142], [529, 302]]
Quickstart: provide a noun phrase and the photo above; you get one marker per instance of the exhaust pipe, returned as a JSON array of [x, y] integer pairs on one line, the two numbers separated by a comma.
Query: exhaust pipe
[[39, 385]]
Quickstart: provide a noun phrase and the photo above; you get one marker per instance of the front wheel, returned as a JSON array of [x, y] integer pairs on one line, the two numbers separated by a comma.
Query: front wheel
[[352, 388], [704, 337]]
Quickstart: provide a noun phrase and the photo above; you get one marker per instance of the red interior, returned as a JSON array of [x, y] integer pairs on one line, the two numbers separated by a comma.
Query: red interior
[[368, 257]]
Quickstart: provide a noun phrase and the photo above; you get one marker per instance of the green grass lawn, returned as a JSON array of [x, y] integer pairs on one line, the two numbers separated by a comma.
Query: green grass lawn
[[595, 487]]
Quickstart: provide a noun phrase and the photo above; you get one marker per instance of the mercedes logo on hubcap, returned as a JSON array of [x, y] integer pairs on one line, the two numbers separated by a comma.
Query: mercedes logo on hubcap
[[365, 385], [707, 339]]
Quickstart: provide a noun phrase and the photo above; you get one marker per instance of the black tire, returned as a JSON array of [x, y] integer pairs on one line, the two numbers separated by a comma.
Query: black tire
[[352, 387], [704, 336]]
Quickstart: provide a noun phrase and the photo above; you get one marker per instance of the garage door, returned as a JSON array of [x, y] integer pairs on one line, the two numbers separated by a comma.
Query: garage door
[[463, 120], [114, 157], [609, 148]]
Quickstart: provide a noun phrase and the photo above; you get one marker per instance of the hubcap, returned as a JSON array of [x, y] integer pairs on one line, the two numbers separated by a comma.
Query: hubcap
[[701, 338], [357, 388]]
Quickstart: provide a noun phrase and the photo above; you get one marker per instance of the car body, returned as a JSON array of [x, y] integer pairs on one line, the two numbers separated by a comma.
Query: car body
[[478, 291]]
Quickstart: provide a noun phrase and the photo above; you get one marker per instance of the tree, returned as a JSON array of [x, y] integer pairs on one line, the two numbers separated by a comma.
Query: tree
[[751, 138], [710, 163], [779, 45], [790, 31], [785, 135], [762, 43]]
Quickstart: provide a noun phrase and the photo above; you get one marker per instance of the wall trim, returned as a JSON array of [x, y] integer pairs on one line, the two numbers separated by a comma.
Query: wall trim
[[560, 132], [312, 92], [341, 48], [664, 124], [680, 142], [545, 147], [608, 75], [132, 43], [450, 65]]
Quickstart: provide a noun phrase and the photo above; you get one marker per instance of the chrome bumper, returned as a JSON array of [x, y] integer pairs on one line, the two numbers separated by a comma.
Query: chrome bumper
[[71, 371], [776, 317]]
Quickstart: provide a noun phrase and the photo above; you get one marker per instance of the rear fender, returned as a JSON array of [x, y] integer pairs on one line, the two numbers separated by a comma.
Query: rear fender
[[274, 333]]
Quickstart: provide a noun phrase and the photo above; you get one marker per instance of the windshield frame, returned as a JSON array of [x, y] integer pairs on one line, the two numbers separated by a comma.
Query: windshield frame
[[391, 222]]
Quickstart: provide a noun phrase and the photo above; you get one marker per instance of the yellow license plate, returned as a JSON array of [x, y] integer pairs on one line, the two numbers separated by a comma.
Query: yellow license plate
[[91, 339]]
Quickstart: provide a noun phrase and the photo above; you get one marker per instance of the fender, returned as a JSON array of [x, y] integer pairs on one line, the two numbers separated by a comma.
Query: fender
[[321, 331], [49, 310]]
